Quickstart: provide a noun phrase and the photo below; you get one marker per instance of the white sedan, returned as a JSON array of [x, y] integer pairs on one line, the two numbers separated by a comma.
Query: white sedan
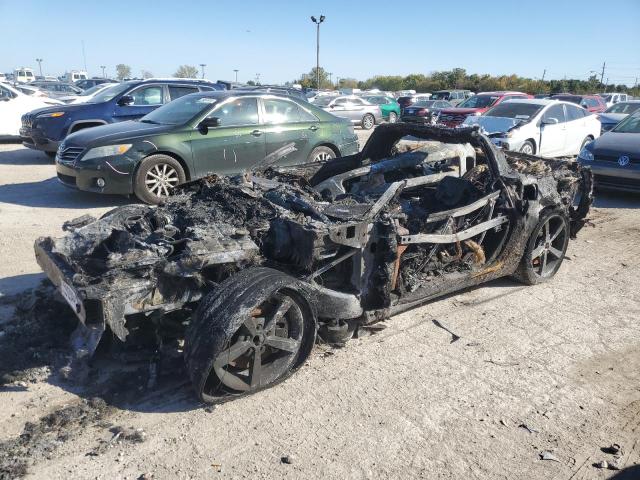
[[548, 128], [14, 104], [87, 95]]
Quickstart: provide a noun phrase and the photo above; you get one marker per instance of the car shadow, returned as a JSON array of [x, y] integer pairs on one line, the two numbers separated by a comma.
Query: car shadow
[[629, 473], [50, 193], [613, 199], [23, 156]]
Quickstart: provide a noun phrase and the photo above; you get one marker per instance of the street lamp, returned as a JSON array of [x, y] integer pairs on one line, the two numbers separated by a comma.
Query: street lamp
[[103, 67], [236, 70], [202, 65], [318, 22], [330, 80], [257, 79], [39, 60]]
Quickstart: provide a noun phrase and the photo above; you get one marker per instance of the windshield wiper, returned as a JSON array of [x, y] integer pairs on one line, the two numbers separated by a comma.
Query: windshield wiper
[[149, 121]]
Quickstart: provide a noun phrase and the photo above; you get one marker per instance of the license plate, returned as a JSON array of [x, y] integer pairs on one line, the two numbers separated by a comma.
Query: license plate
[[70, 296]]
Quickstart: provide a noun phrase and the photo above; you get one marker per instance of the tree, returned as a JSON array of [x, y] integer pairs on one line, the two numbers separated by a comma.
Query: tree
[[146, 74], [308, 80], [123, 71], [186, 71], [251, 82]]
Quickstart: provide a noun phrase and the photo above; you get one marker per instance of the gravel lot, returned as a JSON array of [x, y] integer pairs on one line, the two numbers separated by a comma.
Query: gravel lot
[[554, 368]]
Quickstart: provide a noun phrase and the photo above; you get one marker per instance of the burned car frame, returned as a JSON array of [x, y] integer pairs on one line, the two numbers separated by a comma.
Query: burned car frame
[[241, 274]]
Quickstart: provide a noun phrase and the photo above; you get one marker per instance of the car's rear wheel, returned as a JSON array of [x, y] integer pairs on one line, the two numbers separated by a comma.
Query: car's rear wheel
[[545, 249], [393, 117], [528, 148], [157, 176], [368, 121], [321, 154], [253, 332]]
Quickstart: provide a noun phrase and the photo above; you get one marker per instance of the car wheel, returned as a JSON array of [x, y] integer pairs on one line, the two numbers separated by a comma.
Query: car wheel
[[528, 148], [545, 249], [321, 154], [157, 176], [368, 121], [251, 333], [393, 117]]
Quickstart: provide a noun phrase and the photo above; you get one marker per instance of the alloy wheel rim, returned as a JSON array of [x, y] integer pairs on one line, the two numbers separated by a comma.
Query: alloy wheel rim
[[527, 149], [549, 249], [392, 117], [161, 179], [368, 123], [264, 347], [322, 156]]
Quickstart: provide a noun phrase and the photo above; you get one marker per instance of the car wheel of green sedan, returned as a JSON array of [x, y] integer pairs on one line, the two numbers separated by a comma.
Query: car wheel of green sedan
[[368, 121], [321, 154], [393, 117], [156, 178]]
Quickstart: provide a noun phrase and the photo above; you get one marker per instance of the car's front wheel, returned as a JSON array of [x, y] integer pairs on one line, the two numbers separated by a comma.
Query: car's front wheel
[[545, 249], [251, 333], [528, 148], [393, 117], [157, 176], [368, 121]]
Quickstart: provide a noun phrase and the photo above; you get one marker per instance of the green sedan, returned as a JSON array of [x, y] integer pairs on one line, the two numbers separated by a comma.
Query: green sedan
[[199, 134], [389, 107]]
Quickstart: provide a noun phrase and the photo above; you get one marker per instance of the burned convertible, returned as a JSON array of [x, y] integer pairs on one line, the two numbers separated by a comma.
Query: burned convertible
[[241, 274]]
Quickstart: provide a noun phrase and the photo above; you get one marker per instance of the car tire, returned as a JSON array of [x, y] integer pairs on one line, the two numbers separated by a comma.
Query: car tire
[[321, 154], [548, 243], [165, 171], [393, 117], [368, 121], [256, 311], [528, 148]]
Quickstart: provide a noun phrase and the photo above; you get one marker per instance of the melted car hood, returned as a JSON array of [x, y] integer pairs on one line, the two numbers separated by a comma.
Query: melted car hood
[[115, 132]]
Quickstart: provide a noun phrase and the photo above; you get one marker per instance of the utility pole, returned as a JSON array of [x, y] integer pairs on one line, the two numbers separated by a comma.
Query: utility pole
[[39, 60], [257, 79], [330, 81], [236, 70], [84, 57], [602, 74], [318, 22], [103, 67], [202, 65], [543, 74]]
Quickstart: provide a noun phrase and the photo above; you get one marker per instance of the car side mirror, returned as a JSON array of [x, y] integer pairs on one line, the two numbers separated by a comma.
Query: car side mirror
[[207, 123], [125, 100], [550, 121]]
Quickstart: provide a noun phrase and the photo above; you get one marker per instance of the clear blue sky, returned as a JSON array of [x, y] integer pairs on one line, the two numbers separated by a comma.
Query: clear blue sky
[[358, 39]]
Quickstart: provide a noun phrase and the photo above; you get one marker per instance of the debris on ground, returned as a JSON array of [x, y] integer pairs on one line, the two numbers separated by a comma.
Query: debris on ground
[[602, 464], [612, 449], [547, 455], [528, 428], [454, 337], [288, 459], [130, 434]]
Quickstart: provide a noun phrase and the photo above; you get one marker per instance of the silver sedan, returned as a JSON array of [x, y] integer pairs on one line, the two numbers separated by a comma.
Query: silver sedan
[[356, 109]]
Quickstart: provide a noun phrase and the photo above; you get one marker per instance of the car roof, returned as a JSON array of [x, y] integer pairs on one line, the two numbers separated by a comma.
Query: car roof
[[242, 93], [534, 101], [501, 92]]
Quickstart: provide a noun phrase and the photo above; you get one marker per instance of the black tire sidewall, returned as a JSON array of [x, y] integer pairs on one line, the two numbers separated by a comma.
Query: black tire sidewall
[[139, 187]]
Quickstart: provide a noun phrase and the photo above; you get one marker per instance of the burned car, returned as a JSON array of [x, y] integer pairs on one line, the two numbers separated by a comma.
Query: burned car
[[241, 274]]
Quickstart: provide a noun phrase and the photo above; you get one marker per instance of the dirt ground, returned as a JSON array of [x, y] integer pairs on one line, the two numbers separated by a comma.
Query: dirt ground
[[553, 368]]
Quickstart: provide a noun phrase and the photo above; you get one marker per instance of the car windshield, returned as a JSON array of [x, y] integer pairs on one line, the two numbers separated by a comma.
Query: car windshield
[[631, 124], [440, 95], [606, 98], [479, 101], [423, 103], [568, 98], [110, 92], [179, 111], [90, 91], [521, 111], [376, 100], [625, 107], [322, 101]]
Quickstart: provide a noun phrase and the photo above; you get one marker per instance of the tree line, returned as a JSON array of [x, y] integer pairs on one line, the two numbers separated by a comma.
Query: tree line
[[460, 79]]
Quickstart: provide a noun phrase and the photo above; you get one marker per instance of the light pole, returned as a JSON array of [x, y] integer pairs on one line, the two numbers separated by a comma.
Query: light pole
[[103, 67], [236, 70], [318, 22], [330, 81], [202, 65], [257, 79], [39, 60]]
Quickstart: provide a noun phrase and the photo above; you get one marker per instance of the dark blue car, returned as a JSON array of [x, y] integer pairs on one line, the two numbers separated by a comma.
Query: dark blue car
[[45, 128]]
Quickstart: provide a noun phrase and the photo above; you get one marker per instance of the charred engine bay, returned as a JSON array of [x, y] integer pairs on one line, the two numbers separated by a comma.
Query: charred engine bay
[[409, 218]]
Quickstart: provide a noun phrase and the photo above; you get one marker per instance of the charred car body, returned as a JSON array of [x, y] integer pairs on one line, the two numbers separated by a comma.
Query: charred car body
[[242, 273]]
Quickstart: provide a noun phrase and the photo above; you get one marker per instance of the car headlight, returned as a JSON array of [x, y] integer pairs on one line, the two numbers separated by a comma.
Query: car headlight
[[106, 151], [585, 155], [51, 115]]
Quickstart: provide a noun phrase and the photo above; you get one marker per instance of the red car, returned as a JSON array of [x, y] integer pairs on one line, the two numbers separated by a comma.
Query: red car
[[592, 103], [476, 105]]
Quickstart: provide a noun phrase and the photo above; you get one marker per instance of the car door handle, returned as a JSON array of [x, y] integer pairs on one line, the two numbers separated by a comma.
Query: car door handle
[[313, 128], [256, 133]]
